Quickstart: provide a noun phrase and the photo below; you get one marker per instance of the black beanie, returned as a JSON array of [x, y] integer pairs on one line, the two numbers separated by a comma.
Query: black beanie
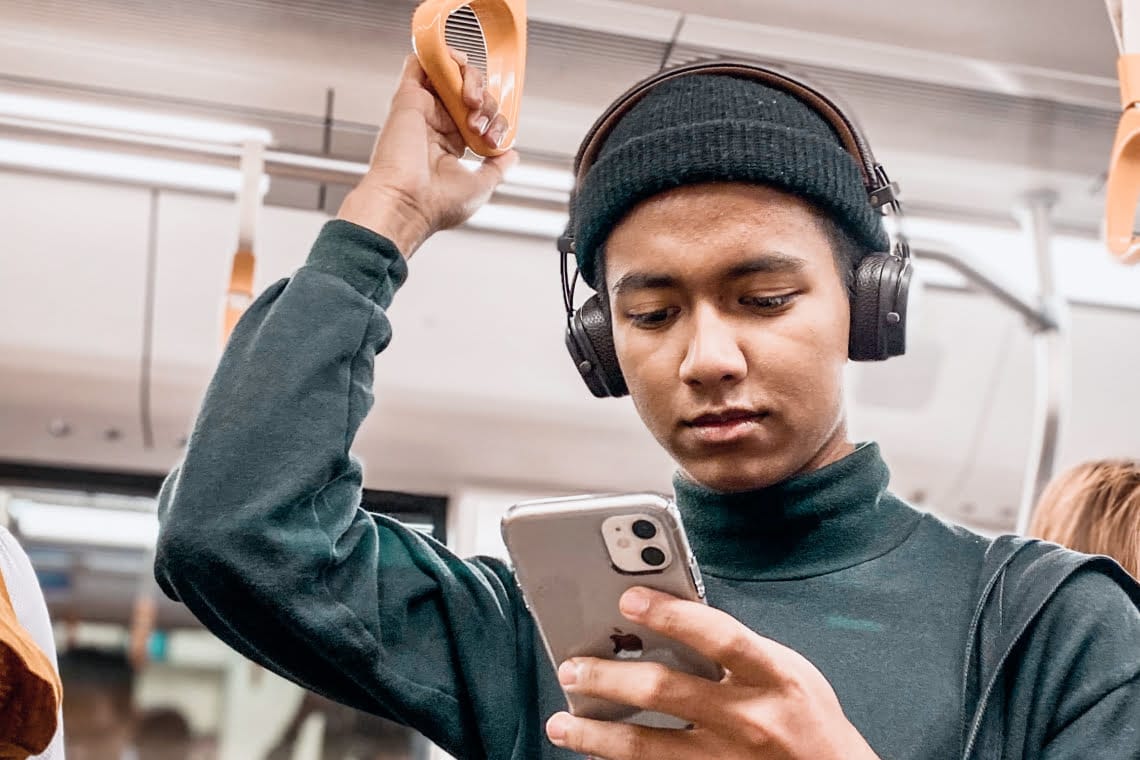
[[719, 127]]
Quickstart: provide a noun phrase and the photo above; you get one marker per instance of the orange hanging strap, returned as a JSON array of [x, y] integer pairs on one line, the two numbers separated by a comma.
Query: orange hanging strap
[[503, 26], [1122, 189], [239, 294]]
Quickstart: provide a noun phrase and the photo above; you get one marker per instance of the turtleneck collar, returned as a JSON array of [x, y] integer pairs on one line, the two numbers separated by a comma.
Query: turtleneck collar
[[811, 524]]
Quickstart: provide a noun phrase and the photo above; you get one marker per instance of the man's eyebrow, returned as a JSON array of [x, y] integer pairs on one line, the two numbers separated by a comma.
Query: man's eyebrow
[[643, 281], [767, 263]]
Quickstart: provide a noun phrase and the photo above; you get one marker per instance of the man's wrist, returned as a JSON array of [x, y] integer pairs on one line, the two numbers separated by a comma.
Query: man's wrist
[[387, 212]]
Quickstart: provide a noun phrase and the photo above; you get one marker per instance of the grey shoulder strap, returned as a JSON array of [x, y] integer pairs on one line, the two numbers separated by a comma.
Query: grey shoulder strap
[[1019, 577]]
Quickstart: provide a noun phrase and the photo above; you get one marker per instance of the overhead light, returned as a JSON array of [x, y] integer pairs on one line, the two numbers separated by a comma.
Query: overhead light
[[530, 176], [522, 221], [122, 167], [532, 193], [57, 524], [541, 177], [128, 120]]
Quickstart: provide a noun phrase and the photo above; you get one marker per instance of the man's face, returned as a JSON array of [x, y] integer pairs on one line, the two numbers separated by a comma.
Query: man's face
[[731, 324]]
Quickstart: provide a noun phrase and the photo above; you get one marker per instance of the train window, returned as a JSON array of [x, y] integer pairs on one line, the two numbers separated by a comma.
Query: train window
[[142, 674]]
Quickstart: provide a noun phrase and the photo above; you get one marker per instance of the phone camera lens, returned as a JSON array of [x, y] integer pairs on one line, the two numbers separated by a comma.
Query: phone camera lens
[[644, 529], [653, 556]]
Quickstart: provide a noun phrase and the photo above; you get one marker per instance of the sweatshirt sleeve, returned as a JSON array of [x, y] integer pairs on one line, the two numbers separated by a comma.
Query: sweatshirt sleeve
[[1079, 686], [262, 536]]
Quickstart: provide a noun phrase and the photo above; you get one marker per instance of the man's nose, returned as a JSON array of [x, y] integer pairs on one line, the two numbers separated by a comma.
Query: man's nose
[[714, 354]]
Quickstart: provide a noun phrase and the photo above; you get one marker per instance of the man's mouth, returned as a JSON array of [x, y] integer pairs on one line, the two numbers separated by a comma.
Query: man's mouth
[[725, 418], [725, 425]]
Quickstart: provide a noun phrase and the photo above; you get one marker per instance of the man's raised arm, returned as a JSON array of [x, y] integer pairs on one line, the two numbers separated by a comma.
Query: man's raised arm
[[262, 536]]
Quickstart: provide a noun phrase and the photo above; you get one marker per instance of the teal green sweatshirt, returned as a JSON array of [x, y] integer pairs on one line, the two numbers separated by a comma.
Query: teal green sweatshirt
[[263, 539]]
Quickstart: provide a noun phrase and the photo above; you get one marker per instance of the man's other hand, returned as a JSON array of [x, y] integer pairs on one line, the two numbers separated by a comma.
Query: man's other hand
[[772, 703]]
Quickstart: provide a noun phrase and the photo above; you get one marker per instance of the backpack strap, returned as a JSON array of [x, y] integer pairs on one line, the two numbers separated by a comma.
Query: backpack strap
[[1019, 577]]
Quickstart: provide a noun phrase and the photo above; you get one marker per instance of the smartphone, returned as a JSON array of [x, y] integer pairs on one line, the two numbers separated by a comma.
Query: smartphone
[[574, 558]]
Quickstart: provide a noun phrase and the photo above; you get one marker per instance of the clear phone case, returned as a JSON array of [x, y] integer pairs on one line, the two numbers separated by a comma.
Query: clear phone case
[[566, 553]]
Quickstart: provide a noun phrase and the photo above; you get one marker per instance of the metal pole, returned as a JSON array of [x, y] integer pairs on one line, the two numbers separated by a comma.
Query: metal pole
[[277, 163], [1052, 360], [1038, 319]]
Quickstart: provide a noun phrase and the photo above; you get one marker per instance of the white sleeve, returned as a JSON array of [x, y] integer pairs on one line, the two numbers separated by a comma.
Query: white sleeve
[[31, 611]]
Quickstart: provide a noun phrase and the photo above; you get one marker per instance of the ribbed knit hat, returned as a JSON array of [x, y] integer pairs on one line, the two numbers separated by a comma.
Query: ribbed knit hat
[[719, 127]]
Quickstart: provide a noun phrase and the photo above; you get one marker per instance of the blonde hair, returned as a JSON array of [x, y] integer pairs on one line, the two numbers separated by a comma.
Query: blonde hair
[[1094, 508]]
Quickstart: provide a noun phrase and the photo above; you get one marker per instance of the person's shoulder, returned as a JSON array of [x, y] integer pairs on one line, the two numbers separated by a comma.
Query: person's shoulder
[[943, 533]]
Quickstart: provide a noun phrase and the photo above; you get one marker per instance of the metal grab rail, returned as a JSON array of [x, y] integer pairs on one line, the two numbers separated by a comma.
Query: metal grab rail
[[1047, 319]]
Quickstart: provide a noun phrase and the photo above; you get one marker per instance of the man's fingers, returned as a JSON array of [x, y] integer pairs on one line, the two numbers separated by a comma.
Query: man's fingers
[[647, 685], [415, 91], [715, 634], [619, 741], [458, 56], [453, 143], [474, 86], [497, 131]]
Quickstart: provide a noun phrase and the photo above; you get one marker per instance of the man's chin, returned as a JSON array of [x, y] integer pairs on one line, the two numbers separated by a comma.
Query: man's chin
[[731, 474]]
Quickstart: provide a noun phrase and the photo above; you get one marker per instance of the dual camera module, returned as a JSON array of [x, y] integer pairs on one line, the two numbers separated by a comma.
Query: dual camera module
[[650, 555], [636, 543]]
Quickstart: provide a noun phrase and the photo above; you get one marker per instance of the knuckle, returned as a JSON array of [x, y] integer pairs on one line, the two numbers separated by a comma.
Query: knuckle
[[636, 744], [755, 733], [587, 675], [754, 725], [471, 81], [733, 647], [657, 682], [490, 106], [413, 96], [670, 619]]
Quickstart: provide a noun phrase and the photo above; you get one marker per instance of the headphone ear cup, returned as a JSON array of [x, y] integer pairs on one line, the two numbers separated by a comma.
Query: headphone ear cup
[[590, 341], [878, 308]]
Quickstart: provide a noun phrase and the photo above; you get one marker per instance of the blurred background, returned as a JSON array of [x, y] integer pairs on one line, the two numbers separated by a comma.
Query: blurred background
[[136, 136]]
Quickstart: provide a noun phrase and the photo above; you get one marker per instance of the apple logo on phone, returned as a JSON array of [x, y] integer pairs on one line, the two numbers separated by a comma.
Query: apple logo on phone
[[627, 646]]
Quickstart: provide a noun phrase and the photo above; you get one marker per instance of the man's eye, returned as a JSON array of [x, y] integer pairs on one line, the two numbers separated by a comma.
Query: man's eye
[[649, 319], [768, 303]]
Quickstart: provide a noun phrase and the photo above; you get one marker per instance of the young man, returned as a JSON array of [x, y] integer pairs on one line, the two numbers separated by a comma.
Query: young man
[[850, 625]]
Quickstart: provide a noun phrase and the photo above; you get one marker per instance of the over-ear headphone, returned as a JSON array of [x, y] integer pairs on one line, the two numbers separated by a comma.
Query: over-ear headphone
[[882, 279]]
